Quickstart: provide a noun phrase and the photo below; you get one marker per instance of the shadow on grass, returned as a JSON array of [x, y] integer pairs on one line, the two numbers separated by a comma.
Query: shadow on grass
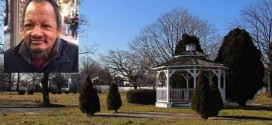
[[250, 107], [51, 106], [118, 115], [243, 118]]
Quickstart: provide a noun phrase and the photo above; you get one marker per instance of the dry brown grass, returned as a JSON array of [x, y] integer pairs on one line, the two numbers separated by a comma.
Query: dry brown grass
[[259, 114]]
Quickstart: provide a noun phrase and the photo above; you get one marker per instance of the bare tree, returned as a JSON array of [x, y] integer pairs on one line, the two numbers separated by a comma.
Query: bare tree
[[83, 21], [33, 76], [75, 84], [89, 66], [34, 80], [6, 11], [126, 64], [1, 25], [2, 74], [3, 20], [59, 80], [45, 90], [157, 41], [94, 69], [3, 4], [3, 78], [19, 77], [257, 19]]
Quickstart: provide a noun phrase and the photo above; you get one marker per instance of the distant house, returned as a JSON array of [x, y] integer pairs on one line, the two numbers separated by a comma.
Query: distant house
[[119, 80], [126, 82]]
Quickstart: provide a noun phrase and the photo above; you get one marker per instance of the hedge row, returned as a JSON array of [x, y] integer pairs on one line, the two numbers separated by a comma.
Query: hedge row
[[60, 92], [141, 96], [22, 92], [30, 92]]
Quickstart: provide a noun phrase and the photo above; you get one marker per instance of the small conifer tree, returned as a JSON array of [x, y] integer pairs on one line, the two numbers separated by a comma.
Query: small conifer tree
[[216, 100], [201, 100], [88, 99], [114, 101]]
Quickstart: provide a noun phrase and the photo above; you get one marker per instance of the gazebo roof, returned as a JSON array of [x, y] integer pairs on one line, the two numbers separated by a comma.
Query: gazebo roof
[[190, 58]]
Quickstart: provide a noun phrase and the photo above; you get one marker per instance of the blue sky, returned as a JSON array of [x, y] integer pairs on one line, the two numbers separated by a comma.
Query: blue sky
[[114, 23]]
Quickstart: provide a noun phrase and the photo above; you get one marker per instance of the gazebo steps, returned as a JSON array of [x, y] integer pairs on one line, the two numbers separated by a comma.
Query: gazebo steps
[[163, 104], [181, 104], [172, 104]]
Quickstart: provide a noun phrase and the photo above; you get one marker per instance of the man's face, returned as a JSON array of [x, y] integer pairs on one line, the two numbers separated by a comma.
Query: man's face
[[40, 27]]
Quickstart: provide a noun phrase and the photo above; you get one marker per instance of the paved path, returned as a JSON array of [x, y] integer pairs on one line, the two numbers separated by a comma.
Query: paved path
[[27, 109]]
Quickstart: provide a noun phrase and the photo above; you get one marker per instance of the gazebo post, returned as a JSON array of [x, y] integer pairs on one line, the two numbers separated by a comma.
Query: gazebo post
[[187, 89], [157, 84], [224, 87], [187, 77], [219, 79], [210, 76], [195, 76], [168, 86], [157, 77]]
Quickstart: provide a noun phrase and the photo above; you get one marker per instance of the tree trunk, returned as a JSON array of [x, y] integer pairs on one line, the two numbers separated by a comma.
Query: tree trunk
[[10, 83], [134, 85], [45, 89], [270, 83], [154, 86]]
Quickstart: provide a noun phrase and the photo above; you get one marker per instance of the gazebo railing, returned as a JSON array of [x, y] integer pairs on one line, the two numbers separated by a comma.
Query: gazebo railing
[[175, 95], [180, 95]]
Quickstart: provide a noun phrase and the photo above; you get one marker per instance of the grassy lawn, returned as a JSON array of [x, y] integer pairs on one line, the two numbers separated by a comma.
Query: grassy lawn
[[259, 113]]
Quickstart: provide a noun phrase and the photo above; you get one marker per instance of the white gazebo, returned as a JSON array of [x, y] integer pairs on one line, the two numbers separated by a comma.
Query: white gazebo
[[186, 66]]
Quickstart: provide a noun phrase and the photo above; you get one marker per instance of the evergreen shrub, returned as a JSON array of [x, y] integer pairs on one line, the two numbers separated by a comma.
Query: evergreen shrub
[[21, 92], [89, 102], [202, 101], [30, 91], [114, 101], [54, 91], [66, 92], [217, 99], [59, 91]]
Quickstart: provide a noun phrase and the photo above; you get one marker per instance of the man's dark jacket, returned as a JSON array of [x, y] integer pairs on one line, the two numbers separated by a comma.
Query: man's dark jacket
[[65, 60]]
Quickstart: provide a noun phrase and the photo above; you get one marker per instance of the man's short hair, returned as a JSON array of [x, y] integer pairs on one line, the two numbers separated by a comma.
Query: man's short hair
[[55, 7]]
